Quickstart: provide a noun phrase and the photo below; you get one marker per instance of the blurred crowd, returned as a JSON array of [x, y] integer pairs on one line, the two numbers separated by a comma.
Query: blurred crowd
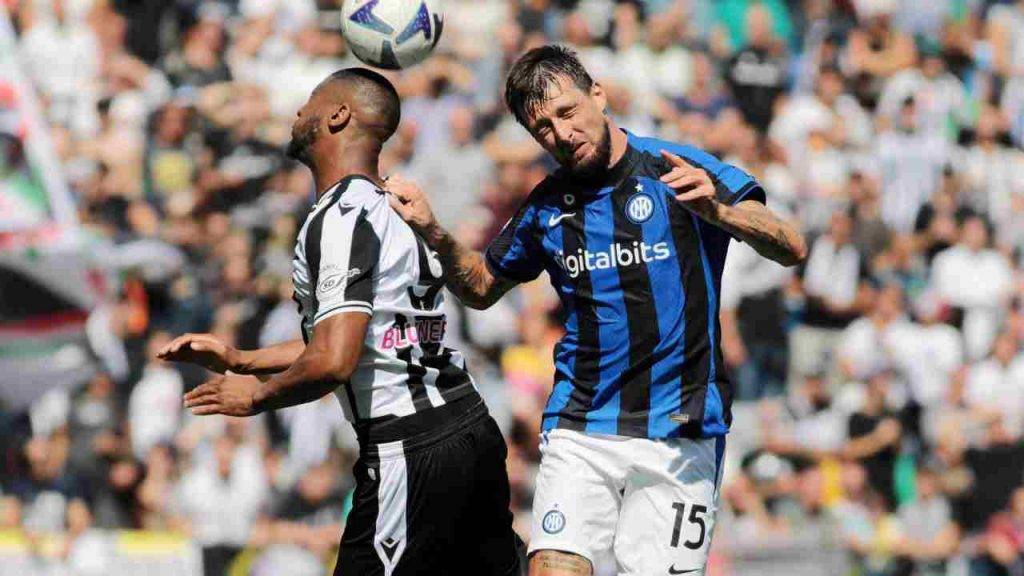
[[879, 387]]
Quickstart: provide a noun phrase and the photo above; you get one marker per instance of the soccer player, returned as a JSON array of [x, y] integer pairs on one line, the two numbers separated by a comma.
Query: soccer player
[[432, 492], [632, 232]]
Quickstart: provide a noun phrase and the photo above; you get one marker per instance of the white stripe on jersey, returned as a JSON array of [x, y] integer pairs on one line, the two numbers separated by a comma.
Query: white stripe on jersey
[[354, 253]]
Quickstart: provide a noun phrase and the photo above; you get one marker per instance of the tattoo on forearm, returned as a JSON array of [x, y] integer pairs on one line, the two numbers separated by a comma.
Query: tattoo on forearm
[[468, 277], [563, 562], [767, 234]]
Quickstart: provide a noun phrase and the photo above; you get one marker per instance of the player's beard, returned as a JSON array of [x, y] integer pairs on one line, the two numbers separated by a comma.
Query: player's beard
[[596, 164], [301, 145]]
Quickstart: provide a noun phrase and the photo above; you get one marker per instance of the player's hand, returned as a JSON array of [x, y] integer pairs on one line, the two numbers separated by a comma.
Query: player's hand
[[203, 349], [693, 187], [231, 395], [411, 204]]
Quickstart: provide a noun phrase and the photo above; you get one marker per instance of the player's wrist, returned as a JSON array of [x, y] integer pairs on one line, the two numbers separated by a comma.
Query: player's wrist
[[434, 234], [261, 397], [238, 361], [716, 212]]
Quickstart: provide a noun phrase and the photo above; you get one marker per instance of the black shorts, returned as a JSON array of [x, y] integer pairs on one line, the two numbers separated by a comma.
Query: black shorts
[[434, 505]]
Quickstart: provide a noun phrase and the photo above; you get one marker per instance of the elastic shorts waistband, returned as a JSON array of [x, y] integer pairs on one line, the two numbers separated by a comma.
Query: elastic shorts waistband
[[422, 427]]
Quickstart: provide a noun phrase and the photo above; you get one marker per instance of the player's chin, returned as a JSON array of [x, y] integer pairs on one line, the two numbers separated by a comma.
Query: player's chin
[[588, 165]]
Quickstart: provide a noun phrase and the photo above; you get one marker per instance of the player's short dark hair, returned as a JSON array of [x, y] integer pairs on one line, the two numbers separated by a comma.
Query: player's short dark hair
[[377, 96], [531, 75]]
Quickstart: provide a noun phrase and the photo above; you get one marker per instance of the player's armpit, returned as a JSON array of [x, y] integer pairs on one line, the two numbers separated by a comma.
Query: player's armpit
[[558, 563]]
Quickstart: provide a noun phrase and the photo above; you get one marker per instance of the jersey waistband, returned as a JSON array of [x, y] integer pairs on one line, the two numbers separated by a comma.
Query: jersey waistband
[[419, 429]]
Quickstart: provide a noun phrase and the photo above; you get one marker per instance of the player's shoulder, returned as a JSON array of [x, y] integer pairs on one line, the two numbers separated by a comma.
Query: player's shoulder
[[653, 147], [547, 193], [359, 192]]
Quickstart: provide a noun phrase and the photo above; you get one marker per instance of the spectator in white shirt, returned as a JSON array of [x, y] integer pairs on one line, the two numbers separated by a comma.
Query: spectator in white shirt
[[992, 172], [454, 193], [62, 57], [221, 500], [994, 387], [910, 163], [753, 320], [154, 406], [977, 280], [836, 292], [939, 95]]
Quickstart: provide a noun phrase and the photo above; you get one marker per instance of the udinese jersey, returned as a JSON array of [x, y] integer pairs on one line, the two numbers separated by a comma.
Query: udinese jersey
[[355, 254], [639, 278]]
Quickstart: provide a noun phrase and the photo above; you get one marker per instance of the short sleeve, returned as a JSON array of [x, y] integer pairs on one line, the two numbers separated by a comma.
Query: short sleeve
[[349, 251], [515, 253], [732, 185]]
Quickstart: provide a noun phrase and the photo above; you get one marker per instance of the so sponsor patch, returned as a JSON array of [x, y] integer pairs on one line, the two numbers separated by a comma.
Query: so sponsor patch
[[334, 283]]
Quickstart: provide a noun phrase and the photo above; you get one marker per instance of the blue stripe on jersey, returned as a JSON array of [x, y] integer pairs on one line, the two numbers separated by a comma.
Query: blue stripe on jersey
[[565, 352], [613, 336], [665, 277], [714, 416]]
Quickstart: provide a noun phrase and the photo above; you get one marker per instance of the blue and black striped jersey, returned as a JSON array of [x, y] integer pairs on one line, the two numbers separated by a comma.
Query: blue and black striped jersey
[[639, 278]]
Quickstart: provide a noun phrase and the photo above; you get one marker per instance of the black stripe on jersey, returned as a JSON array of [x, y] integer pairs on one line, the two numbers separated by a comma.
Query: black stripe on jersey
[[314, 233], [641, 316], [414, 370], [364, 256], [586, 372], [696, 364], [452, 381]]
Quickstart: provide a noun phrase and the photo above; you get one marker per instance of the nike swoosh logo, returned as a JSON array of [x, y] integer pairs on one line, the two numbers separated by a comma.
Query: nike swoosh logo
[[672, 570], [556, 219]]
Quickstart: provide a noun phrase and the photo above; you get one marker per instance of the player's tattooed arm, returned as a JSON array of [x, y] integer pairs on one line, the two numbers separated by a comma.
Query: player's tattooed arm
[[466, 273], [749, 221], [468, 276], [556, 563], [771, 236]]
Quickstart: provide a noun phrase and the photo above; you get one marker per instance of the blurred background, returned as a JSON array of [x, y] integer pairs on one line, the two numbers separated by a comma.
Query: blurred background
[[880, 388]]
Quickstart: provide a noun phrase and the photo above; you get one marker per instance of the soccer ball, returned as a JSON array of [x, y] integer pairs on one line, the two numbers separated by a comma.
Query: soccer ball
[[392, 34]]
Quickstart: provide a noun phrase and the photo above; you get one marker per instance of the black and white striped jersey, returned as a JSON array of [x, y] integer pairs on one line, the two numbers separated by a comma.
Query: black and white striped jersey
[[355, 254]]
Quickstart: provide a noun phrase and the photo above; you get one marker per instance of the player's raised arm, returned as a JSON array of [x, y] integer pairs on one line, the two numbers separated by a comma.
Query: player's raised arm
[[747, 220], [210, 352], [466, 272], [327, 362]]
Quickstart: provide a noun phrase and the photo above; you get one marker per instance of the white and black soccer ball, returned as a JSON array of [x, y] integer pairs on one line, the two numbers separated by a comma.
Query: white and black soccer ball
[[392, 34]]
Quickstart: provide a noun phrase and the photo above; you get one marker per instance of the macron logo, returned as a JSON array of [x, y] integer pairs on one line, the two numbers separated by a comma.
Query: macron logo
[[617, 255]]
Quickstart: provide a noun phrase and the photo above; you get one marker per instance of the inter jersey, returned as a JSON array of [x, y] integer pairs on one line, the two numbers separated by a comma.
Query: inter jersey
[[639, 278]]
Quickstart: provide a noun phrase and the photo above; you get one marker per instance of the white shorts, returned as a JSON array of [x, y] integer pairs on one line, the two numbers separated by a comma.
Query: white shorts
[[647, 505]]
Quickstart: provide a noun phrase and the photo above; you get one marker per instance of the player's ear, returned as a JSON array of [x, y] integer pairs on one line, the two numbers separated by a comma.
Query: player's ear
[[339, 119], [599, 96]]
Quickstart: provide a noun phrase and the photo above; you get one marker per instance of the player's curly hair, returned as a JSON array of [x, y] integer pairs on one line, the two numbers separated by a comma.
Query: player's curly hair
[[534, 72]]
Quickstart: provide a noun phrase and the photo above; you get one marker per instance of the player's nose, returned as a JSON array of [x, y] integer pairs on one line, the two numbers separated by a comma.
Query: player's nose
[[563, 133]]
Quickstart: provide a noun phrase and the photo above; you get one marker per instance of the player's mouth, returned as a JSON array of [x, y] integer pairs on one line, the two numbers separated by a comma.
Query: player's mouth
[[579, 153]]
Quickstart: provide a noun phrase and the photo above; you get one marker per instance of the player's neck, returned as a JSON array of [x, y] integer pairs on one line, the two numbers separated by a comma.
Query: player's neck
[[350, 161], [619, 144]]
